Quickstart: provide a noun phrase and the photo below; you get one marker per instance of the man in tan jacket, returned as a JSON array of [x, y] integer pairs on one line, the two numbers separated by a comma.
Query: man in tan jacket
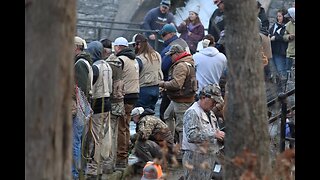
[[181, 87]]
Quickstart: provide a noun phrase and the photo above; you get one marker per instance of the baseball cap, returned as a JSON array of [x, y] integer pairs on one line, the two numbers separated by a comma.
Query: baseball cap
[[165, 3], [137, 38], [137, 111], [79, 41], [174, 49], [168, 28], [121, 41], [212, 91], [151, 171]]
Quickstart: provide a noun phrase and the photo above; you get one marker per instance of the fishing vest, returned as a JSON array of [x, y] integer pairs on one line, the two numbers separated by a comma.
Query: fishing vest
[[103, 85]]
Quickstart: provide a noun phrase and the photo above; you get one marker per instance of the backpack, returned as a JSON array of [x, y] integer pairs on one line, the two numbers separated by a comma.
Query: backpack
[[190, 85]]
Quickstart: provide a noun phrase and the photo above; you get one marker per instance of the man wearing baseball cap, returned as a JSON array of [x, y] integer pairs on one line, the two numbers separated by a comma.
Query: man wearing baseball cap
[[200, 115]]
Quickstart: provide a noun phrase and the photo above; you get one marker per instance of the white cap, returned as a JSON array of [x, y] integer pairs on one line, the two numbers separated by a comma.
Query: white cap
[[121, 41], [195, 9], [137, 111], [79, 41]]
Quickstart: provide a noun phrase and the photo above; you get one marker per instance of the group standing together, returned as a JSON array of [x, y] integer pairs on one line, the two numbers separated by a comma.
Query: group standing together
[[119, 81]]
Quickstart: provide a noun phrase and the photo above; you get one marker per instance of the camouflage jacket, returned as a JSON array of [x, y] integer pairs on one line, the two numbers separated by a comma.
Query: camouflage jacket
[[152, 128], [198, 130]]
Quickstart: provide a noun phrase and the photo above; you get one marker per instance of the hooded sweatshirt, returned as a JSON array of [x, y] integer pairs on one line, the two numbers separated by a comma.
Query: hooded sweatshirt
[[210, 64]]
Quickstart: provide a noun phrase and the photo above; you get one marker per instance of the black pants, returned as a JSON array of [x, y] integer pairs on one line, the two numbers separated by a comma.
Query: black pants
[[164, 104]]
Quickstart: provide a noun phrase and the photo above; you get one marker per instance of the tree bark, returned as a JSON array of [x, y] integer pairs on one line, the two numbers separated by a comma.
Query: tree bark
[[49, 42], [247, 142]]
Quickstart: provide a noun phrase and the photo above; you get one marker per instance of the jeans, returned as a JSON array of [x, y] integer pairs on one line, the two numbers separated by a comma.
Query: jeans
[[289, 63], [280, 63], [148, 97], [77, 129]]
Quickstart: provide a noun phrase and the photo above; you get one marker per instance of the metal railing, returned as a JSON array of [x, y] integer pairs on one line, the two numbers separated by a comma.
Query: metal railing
[[282, 97], [99, 28]]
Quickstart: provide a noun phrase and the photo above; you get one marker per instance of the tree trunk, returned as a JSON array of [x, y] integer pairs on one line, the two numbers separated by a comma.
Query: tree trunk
[[247, 142], [49, 42]]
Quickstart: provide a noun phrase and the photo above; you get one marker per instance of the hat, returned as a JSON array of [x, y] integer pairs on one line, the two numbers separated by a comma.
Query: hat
[[165, 3], [168, 28], [195, 9], [137, 38], [79, 41], [175, 49], [137, 111], [121, 41], [151, 171], [213, 91], [217, 2], [291, 13]]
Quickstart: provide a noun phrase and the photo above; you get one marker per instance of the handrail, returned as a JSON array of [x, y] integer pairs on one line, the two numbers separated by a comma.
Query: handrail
[[124, 29], [112, 22]]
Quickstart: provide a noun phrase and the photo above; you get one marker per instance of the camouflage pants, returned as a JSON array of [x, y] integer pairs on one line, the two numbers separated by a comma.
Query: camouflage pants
[[194, 165], [147, 150]]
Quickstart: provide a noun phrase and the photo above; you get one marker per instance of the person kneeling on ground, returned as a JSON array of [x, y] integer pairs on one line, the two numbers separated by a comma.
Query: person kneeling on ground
[[153, 137]]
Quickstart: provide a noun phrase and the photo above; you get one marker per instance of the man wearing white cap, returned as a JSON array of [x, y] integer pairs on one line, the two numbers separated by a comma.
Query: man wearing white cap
[[131, 90]]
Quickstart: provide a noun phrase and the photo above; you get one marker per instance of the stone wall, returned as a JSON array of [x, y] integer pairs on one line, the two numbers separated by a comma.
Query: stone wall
[[101, 10]]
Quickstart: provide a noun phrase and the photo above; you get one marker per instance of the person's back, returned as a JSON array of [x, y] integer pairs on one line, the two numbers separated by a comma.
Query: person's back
[[83, 69], [150, 72], [210, 64], [155, 19]]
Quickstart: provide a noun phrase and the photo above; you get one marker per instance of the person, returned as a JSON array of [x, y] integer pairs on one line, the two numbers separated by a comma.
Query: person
[[289, 36], [155, 19], [131, 95], [83, 70], [152, 171], [80, 99], [101, 90], [216, 22], [191, 29], [181, 88], [209, 63], [201, 136], [279, 46], [169, 35], [262, 16], [117, 104], [150, 74], [266, 53], [153, 139]]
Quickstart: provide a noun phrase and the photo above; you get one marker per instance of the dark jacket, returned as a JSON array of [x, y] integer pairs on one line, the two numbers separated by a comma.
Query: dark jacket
[[166, 60], [278, 46], [216, 24], [155, 20], [82, 72]]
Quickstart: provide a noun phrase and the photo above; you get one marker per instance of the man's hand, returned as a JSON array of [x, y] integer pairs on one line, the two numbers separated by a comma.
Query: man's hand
[[152, 37]]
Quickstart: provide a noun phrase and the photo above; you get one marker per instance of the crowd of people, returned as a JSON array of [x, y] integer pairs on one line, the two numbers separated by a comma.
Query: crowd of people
[[119, 81]]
